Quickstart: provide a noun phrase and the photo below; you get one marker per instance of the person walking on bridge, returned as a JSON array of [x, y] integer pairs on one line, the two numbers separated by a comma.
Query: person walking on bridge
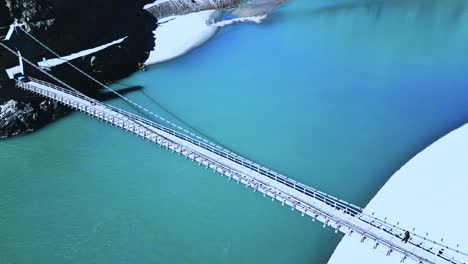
[[406, 237]]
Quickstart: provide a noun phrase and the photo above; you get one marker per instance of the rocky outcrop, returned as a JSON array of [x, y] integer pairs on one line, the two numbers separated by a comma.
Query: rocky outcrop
[[183, 7], [69, 26], [30, 11], [19, 117]]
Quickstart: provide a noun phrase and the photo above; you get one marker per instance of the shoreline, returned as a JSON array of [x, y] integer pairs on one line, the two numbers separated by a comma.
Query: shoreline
[[422, 197]]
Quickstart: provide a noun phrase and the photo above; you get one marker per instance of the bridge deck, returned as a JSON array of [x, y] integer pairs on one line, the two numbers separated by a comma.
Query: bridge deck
[[332, 212]]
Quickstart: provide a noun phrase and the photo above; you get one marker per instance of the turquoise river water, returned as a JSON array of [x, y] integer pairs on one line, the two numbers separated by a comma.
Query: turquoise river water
[[338, 96]]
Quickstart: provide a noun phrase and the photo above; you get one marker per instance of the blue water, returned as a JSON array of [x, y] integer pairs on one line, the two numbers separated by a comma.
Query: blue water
[[337, 98]]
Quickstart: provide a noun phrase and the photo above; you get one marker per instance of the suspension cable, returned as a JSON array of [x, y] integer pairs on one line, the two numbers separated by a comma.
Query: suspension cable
[[91, 99], [116, 93], [217, 145], [61, 82], [135, 104], [38, 68]]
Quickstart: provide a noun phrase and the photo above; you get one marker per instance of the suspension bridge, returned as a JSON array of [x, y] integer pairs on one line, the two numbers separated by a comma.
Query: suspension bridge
[[330, 211]]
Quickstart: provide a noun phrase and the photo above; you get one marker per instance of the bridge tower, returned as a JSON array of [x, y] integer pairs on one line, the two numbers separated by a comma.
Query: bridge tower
[[19, 68]]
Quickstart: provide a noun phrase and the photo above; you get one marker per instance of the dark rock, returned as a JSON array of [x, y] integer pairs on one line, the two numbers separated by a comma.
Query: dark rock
[[182, 7], [69, 26]]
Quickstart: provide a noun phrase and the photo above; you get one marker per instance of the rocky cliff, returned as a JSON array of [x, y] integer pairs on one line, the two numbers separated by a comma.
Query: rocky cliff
[[182, 7]]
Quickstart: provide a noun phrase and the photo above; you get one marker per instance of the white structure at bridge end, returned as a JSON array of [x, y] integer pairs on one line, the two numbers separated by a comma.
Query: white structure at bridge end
[[17, 69]]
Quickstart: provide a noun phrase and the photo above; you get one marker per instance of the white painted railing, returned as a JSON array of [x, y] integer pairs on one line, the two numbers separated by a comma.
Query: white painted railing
[[296, 198]]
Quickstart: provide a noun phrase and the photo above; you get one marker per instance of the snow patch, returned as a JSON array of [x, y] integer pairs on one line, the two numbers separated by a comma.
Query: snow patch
[[61, 60], [254, 19], [91, 61], [428, 193], [157, 2]]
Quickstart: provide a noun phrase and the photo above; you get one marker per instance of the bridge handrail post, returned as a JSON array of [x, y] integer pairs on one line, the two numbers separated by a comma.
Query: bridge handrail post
[[141, 127]]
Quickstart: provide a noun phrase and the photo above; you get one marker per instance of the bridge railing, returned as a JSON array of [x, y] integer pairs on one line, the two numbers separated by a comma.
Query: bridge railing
[[64, 90], [309, 191], [319, 195], [328, 199]]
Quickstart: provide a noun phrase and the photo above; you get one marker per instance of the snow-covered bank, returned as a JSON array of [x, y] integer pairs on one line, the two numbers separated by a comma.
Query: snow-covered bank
[[429, 194], [155, 3], [177, 35]]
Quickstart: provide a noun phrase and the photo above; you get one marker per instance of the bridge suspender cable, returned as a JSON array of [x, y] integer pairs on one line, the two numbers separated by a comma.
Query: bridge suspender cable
[[60, 81], [369, 230], [132, 103], [116, 93]]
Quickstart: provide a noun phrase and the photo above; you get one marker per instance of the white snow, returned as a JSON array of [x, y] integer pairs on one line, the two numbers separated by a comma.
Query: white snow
[[176, 35], [254, 19], [61, 60], [429, 193], [157, 2]]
